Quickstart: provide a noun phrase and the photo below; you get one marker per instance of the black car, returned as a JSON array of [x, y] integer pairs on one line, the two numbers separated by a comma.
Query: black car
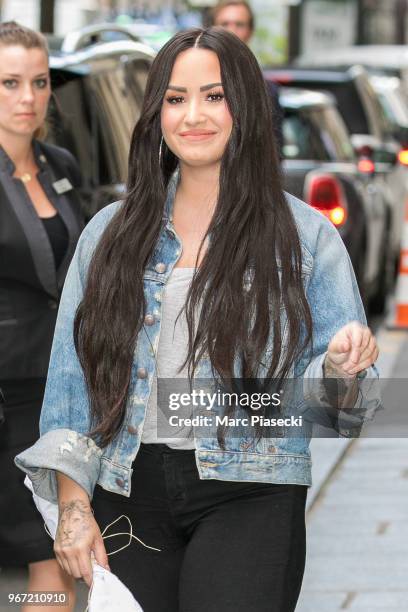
[[387, 66], [371, 133], [98, 88], [391, 60], [321, 167]]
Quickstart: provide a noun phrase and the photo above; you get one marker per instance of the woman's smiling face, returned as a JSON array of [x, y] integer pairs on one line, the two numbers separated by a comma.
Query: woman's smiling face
[[195, 119]]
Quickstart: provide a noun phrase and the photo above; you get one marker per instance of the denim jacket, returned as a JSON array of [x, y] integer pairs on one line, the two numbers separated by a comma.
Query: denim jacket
[[65, 445]]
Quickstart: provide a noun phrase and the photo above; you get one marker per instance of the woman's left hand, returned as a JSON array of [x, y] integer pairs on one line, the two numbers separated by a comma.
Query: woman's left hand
[[352, 349]]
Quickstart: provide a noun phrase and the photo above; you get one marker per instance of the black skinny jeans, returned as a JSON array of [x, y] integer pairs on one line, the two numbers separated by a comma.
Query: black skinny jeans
[[225, 546]]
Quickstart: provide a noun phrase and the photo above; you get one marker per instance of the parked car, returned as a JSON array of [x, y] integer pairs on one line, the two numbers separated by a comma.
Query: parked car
[[98, 88], [394, 102], [320, 167], [389, 59], [388, 68], [371, 133]]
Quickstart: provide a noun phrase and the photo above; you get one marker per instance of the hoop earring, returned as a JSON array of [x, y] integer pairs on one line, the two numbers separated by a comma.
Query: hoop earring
[[161, 151]]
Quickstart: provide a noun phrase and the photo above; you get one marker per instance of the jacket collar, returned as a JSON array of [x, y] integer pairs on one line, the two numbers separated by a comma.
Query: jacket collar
[[32, 226], [8, 166]]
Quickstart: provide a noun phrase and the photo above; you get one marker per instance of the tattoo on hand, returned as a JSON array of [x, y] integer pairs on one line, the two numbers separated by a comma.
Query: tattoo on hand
[[74, 522]]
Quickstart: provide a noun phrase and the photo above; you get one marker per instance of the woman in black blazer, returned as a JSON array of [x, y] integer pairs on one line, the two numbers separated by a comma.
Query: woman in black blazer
[[40, 222]]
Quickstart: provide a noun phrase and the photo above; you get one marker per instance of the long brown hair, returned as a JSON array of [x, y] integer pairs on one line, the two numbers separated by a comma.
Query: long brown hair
[[252, 229]]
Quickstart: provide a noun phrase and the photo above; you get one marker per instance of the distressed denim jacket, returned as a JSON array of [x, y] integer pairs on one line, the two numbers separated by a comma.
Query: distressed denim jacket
[[65, 445]]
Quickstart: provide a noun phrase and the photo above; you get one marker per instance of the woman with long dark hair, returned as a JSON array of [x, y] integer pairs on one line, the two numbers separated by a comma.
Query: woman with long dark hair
[[207, 270]]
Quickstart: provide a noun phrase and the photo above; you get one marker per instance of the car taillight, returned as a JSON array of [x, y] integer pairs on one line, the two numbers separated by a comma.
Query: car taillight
[[325, 193], [403, 157], [365, 165]]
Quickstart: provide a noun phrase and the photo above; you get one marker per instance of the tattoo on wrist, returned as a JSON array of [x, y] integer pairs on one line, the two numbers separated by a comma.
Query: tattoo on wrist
[[74, 521]]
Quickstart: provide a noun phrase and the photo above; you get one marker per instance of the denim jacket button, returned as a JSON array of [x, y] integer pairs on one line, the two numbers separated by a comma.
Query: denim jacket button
[[120, 482], [141, 373], [160, 267], [132, 430], [149, 319]]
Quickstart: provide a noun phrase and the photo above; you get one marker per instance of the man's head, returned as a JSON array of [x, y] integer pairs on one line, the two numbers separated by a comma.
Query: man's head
[[236, 16]]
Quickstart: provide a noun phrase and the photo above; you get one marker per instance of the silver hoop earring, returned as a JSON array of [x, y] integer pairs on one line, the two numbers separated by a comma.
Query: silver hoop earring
[[160, 151]]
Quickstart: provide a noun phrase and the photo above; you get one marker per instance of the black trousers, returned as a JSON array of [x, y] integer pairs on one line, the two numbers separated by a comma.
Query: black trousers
[[225, 546], [23, 538]]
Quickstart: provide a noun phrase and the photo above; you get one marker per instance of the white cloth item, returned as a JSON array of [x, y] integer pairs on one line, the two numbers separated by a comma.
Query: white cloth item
[[108, 593], [47, 509]]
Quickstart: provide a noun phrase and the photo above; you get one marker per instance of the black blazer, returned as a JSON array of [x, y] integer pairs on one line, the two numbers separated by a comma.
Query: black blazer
[[30, 286]]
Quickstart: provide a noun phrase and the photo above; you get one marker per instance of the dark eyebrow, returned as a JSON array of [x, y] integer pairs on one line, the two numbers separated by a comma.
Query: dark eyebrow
[[37, 76], [203, 88]]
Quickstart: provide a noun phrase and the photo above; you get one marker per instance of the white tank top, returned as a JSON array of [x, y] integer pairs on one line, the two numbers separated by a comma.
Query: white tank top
[[171, 353]]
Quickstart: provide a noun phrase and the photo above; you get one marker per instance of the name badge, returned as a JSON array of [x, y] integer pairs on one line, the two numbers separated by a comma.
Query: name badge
[[62, 186]]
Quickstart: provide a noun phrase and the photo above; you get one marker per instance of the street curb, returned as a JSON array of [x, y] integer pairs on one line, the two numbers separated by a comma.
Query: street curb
[[333, 451]]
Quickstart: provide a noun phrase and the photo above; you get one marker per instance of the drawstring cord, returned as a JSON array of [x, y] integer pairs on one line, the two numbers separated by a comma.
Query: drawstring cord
[[113, 535], [130, 534]]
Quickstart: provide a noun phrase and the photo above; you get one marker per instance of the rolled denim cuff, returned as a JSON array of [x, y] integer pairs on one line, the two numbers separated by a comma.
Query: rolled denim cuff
[[63, 450], [346, 422]]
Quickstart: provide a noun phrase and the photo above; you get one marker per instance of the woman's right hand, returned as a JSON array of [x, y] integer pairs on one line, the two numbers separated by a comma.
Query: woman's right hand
[[78, 534]]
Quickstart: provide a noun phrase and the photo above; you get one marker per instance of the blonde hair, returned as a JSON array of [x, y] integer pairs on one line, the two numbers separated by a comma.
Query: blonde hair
[[14, 34]]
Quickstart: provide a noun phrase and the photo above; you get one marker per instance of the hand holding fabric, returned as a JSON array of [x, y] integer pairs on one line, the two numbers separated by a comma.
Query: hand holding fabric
[[351, 350]]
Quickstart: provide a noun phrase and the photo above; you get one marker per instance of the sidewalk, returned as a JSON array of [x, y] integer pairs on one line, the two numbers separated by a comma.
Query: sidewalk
[[357, 557]]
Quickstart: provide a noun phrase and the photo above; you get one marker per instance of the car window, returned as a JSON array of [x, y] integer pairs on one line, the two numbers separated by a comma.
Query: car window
[[317, 133], [351, 107], [380, 125], [93, 115], [394, 107], [302, 138], [333, 133], [387, 107], [348, 101], [69, 120]]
